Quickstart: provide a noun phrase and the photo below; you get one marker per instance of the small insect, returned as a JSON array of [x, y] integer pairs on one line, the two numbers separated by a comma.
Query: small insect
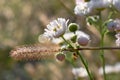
[[75, 56]]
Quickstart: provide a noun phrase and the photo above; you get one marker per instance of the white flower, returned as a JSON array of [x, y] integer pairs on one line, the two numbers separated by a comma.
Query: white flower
[[117, 68], [89, 8], [116, 4], [108, 69], [79, 72], [83, 8], [100, 4], [56, 28]]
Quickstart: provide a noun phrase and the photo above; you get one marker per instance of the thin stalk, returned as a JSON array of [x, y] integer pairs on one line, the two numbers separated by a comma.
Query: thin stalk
[[85, 65], [102, 44], [82, 59], [93, 48], [102, 56], [67, 42]]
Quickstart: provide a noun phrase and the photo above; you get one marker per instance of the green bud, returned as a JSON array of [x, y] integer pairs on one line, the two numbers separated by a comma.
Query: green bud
[[92, 20], [73, 27], [68, 46]]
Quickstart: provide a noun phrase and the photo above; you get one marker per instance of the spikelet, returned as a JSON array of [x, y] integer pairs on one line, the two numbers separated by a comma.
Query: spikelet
[[34, 52]]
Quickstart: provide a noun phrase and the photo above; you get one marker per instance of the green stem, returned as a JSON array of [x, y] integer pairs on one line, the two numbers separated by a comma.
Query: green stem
[[67, 42], [85, 65], [73, 64], [82, 59], [102, 45], [102, 56]]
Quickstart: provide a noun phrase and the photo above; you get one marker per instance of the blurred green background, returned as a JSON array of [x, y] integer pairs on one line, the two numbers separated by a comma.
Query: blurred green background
[[22, 21]]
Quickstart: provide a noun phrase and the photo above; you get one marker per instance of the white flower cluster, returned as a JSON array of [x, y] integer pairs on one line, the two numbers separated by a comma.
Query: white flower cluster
[[57, 29], [82, 38], [92, 6], [83, 8]]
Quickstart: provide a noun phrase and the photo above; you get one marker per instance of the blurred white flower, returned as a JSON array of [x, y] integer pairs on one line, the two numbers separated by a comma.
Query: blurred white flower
[[81, 33], [83, 8], [89, 8], [117, 68], [43, 39], [56, 28], [118, 39], [100, 4], [116, 4], [108, 69], [79, 72], [67, 36]]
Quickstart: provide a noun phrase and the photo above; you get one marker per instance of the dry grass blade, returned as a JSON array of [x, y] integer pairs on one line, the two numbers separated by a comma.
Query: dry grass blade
[[34, 52]]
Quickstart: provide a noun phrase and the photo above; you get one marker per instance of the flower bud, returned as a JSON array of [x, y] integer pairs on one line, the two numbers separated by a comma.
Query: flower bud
[[111, 26], [83, 41], [60, 57], [73, 27]]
